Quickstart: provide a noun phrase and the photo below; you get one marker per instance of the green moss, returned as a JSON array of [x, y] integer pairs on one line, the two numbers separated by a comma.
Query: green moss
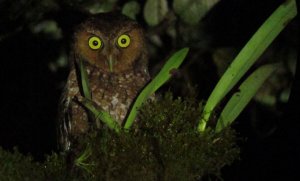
[[163, 145], [15, 166]]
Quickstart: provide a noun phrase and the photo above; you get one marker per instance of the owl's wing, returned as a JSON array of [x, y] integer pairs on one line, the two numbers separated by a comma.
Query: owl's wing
[[64, 123], [65, 112]]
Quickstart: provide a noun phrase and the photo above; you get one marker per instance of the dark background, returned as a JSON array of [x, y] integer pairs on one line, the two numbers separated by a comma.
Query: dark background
[[30, 90]]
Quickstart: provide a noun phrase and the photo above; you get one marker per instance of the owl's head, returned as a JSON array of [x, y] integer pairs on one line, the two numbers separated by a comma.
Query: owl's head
[[109, 41]]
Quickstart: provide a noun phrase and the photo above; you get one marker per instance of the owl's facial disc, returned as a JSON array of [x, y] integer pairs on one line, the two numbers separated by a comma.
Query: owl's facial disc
[[123, 41], [112, 50], [95, 43]]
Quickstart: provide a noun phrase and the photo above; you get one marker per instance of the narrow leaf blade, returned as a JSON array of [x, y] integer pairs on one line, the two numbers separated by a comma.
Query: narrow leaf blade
[[84, 81], [102, 115], [248, 55], [163, 76], [240, 99]]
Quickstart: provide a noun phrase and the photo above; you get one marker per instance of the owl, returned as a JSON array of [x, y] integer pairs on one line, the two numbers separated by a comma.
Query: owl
[[113, 50]]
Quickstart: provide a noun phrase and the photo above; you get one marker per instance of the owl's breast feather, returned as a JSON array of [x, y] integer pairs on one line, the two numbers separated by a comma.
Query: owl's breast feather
[[115, 93]]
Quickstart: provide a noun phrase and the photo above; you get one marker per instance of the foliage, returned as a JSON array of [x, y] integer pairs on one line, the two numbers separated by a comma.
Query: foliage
[[131, 9], [246, 58], [15, 166], [240, 65], [163, 145], [155, 11], [242, 97], [171, 28], [161, 78], [192, 11]]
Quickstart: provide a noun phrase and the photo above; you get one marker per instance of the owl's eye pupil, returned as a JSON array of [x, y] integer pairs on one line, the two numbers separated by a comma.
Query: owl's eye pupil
[[123, 41], [95, 43]]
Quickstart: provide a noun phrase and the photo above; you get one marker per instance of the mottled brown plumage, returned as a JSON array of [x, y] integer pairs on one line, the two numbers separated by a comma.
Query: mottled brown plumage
[[114, 53]]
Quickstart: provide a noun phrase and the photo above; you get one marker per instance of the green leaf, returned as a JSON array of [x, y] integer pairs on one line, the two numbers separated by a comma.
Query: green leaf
[[163, 76], [131, 9], [192, 11], [87, 101], [102, 6], [248, 55], [155, 11], [102, 115], [84, 81], [240, 99], [82, 160]]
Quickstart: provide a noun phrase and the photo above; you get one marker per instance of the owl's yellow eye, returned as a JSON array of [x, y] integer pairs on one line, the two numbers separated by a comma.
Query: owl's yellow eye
[[95, 43], [123, 41]]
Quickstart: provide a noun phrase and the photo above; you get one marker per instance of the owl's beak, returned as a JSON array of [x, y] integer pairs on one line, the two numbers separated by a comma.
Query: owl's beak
[[110, 63]]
